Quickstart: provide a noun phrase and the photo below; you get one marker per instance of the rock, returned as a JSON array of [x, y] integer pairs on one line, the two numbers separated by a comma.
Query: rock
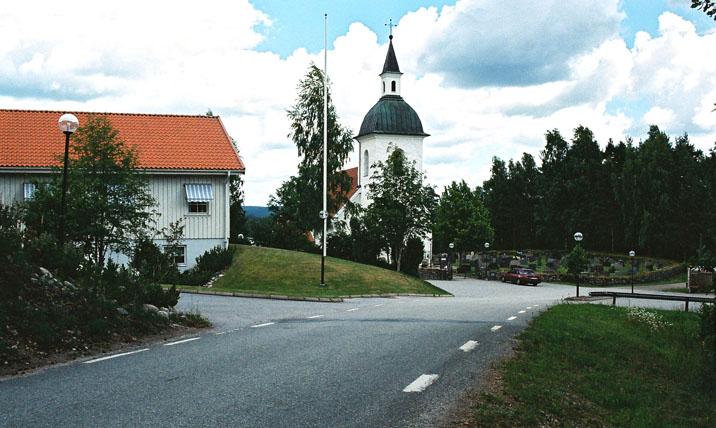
[[163, 314], [45, 272], [122, 311], [150, 308]]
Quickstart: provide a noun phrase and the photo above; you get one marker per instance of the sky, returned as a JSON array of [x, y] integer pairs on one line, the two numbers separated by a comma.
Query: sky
[[487, 78]]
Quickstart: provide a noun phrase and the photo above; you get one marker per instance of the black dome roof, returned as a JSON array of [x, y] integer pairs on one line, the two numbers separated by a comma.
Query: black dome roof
[[391, 115]]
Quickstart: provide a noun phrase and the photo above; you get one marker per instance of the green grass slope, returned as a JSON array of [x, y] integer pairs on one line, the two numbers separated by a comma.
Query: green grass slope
[[292, 273]]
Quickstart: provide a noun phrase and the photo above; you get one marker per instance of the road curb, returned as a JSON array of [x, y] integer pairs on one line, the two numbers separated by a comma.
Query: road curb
[[302, 299]]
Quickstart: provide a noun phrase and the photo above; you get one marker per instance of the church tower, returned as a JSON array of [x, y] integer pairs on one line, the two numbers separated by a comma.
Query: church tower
[[391, 122]]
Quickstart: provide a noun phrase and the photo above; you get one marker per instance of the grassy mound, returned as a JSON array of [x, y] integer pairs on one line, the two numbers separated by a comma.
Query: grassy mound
[[292, 273]]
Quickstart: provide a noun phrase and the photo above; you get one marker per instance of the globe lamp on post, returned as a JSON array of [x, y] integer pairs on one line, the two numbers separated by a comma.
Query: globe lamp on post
[[631, 255], [487, 247], [452, 245], [68, 124], [578, 237]]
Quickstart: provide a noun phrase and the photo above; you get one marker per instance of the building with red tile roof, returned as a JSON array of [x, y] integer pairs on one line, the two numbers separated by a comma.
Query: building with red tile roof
[[189, 161]]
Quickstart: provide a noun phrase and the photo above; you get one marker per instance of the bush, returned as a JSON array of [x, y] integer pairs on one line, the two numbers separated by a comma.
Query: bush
[[412, 256], [67, 261], [215, 260], [707, 336], [14, 269], [152, 263]]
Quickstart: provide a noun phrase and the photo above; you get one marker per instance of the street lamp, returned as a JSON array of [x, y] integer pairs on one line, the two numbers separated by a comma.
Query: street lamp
[[323, 215], [68, 124], [632, 254], [487, 247], [578, 237], [450, 259]]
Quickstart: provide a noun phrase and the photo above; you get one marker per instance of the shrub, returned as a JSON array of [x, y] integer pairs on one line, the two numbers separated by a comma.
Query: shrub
[[14, 269], [215, 260], [152, 263], [412, 256], [67, 261], [707, 336]]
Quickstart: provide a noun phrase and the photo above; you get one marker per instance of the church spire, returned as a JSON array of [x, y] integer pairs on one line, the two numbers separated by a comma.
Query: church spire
[[391, 62]]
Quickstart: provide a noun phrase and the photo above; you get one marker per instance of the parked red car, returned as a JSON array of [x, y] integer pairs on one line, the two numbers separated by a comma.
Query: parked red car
[[521, 276]]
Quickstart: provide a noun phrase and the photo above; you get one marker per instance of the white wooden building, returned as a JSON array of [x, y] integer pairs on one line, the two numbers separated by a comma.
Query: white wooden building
[[189, 161]]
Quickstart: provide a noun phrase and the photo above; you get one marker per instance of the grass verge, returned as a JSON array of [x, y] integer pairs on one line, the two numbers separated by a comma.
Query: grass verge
[[594, 365], [264, 270]]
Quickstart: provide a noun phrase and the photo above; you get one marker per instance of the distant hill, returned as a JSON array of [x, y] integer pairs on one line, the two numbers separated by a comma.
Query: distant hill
[[256, 211]]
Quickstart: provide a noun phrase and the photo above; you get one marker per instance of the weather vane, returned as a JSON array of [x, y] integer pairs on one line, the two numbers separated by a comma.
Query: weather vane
[[391, 25]]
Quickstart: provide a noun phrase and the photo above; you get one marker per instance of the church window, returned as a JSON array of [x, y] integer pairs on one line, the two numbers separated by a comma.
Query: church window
[[383, 87], [392, 86], [366, 163]]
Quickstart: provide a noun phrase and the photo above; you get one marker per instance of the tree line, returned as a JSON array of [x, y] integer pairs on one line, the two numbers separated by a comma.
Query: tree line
[[655, 197]]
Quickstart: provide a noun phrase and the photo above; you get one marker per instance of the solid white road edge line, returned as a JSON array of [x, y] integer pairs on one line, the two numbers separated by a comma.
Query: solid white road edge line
[[351, 310], [421, 383], [469, 346], [109, 357], [315, 316], [511, 318], [182, 341], [262, 325], [495, 328]]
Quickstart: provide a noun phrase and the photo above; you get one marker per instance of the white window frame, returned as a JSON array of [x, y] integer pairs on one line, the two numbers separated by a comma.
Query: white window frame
[[168, 248]]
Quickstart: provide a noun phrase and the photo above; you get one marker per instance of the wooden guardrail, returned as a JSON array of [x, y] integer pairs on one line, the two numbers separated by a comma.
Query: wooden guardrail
[[685, 299]]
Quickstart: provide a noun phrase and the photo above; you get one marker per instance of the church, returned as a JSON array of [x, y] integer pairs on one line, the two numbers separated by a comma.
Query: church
[[391, 122]]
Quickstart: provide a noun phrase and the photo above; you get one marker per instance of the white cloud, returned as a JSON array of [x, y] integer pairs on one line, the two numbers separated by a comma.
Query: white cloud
[[487, 78]]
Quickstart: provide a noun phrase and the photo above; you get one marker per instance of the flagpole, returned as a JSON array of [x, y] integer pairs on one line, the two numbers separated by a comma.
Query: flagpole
[[324, 213]]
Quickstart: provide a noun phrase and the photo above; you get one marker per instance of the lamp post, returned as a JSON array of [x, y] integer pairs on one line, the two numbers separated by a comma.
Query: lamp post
[[631, 255], [68, 124], [487, 247], [450, 259], [324, 215], [578, 237]]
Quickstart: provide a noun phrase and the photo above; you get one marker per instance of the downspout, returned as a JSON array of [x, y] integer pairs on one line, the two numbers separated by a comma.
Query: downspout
[[227, 217]]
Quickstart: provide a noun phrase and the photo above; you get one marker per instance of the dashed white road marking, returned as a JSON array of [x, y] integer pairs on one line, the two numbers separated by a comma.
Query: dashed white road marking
[[495, 328], [521, 312], [419, 384], [109, 357], [222, 332], [511, 318], [535, 305], [529, 307], [380, 304], [262, 325], [469, 346], [351, 310], [182, 341], [315, 316]]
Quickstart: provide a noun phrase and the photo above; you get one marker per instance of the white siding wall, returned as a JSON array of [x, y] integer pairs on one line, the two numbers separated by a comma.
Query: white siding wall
[[201, 231], [11, 187], [168, 191]]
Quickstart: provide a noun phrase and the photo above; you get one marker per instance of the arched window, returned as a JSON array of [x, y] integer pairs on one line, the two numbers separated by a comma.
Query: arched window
[[366, 163], [392, 86], [383, 87]]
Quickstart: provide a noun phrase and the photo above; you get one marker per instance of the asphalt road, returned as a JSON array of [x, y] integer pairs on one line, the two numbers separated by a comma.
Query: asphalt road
[[386, 362]]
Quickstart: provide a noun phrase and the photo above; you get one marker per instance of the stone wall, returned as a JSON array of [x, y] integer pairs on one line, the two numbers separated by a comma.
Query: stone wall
[[615, 280], [428, 273]]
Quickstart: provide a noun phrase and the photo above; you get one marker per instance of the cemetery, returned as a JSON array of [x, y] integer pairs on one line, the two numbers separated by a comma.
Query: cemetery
[[604, 268]]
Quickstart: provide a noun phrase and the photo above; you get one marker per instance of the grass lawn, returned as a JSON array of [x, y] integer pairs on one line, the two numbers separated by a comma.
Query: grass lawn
[[581, 365], [292, 273]]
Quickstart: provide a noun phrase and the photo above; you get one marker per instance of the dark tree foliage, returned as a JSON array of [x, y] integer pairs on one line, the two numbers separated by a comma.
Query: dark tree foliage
[[707, 6], [657, 197], [402, 207], [237, 215], [461, 218], [300, 199], [108, 202]]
